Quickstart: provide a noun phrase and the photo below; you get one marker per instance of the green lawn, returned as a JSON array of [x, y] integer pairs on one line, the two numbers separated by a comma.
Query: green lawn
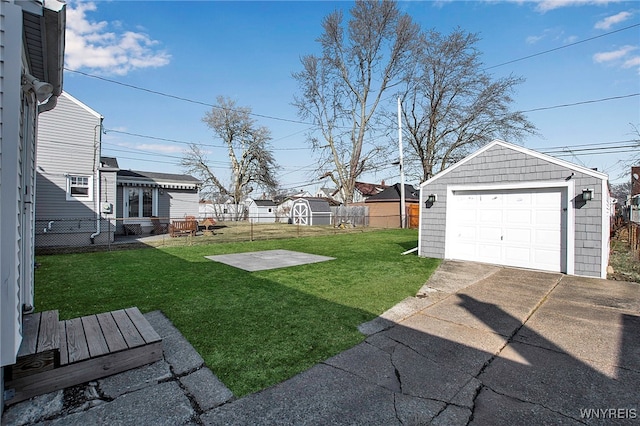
[[253, 329]]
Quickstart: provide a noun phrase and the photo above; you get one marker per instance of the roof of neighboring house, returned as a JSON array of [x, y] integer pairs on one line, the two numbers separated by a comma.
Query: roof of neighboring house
[[264, 203], [109, 162], [369, 189], [392, 193], [164, 180]]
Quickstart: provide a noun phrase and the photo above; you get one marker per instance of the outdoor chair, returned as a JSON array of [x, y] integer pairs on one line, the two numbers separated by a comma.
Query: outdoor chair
[[159, 227]]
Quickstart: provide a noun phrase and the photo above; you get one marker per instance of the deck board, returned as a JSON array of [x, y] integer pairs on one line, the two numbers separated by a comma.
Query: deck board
[[128, 329], [48, 337], [76, 341], [96, 343], [144, 328], [30, 326], [111, 332], [64, 352]]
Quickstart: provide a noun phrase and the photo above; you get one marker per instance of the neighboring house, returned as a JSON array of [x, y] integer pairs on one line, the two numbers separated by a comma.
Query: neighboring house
[[512, 206], [385, 207], [365, 190], [311, 211], [76, 186], [261, 211], [31, 64], [142, 196], [221, 211]]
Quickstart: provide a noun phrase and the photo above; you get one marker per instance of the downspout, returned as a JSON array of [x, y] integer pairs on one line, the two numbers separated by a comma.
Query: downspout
[[96, 174]]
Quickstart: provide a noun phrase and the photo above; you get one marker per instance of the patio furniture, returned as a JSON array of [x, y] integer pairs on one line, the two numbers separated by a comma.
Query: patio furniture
[[189, 226], [159, 227]]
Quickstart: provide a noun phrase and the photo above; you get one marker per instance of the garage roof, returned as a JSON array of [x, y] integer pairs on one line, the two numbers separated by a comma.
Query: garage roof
[[550, 159]]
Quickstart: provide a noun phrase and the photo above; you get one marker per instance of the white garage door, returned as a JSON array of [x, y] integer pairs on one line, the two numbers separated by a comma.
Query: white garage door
[[524, 227]]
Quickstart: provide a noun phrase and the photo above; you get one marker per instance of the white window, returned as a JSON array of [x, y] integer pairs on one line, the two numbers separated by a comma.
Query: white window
[[79, 188], [140, 202]]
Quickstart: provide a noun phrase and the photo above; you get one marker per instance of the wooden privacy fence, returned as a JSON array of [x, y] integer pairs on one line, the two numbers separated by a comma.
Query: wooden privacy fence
[[355, 215], [634, 239]]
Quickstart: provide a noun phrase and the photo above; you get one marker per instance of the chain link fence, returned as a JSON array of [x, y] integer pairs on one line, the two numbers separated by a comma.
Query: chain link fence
[[90, 234]]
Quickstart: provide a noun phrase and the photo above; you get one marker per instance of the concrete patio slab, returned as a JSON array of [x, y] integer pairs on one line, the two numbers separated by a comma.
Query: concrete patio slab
[[590, 333], [451, 345], [268, 259], [559, 382]]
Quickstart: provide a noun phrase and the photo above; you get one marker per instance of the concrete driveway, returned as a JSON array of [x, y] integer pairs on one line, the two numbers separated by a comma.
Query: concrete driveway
[[480, 345]]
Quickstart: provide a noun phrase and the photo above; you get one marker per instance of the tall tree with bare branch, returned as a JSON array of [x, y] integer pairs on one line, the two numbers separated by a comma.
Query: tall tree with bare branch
[[451, 105], [341, 89], [252, 163]]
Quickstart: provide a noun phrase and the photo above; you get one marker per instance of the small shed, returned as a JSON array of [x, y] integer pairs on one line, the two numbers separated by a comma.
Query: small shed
[[512, 206], [311, 211], [261, 211]]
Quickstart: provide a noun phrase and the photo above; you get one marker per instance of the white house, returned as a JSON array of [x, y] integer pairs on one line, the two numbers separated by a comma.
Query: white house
[[261, 211], [31, 67]]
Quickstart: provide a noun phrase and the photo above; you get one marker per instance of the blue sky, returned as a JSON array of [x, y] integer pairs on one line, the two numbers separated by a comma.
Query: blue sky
[[248, 50]]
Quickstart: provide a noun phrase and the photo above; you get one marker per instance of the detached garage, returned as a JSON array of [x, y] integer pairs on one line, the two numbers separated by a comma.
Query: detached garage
[[512, 206]]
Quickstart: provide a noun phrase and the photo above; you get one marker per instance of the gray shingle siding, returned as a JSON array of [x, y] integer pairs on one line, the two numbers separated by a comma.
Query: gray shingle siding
[[502, 165]]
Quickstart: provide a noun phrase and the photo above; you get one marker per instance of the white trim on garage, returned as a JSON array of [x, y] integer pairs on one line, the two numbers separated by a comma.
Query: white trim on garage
[[606, 229], [565, 186]]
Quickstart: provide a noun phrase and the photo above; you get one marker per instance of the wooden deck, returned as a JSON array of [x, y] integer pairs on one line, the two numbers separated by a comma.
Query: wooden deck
[[58, 354]]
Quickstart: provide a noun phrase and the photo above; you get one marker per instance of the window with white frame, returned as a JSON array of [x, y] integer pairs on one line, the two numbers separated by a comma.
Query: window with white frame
[[79, 187]]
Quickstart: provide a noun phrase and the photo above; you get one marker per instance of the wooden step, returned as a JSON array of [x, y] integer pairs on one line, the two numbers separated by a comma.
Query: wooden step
[[40, 347], [93, 347]]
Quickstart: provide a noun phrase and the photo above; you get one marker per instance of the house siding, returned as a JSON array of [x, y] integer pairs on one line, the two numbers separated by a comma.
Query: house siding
[[69, 139], [68, 144], [178, 203], [501, 165], [12, 139]]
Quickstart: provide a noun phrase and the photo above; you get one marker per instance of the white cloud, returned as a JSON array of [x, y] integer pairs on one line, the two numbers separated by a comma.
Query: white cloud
[[94, 45], [610, 21], [613, 55], [621, 57], [632, 62], [547, 5]]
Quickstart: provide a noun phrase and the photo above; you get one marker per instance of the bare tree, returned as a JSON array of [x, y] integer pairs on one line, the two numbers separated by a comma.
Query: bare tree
[[252, 164], [342, 88], [451, 106]]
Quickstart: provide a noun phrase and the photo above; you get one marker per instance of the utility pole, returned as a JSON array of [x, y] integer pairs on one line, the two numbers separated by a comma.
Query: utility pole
[[403, 211]]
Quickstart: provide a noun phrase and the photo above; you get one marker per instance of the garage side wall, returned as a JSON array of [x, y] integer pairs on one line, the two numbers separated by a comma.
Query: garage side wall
[[501, 165]]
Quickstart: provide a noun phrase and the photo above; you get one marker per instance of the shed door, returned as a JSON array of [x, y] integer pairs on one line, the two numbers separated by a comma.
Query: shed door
[[301, 214], [523, 228]]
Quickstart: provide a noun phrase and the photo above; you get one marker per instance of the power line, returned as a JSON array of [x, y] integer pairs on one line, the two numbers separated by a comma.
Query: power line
[[180, 98], [210, 145], [562, 47], [593, 101]]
